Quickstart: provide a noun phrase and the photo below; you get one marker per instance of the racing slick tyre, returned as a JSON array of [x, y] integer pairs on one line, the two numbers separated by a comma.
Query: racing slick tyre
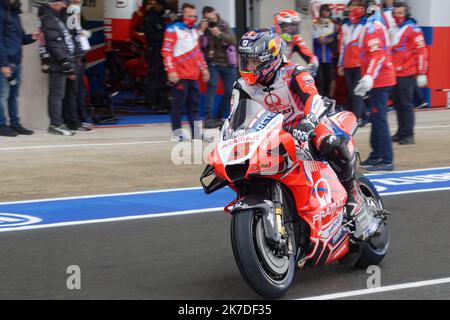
[[375, 248], [267, 274]]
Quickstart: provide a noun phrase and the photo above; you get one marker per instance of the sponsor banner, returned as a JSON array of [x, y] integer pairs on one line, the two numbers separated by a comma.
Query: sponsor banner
[[26, 215]]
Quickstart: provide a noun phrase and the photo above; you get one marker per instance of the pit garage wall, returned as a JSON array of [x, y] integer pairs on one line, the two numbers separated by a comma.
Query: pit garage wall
[[34, 87], [433, 17]]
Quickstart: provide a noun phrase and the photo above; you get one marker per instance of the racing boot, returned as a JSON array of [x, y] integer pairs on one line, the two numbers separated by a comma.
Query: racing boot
[[355, 200]]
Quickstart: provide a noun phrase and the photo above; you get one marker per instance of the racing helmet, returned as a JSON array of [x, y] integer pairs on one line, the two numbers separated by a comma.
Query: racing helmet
[[287, 24], [371, 6], [260, 55]]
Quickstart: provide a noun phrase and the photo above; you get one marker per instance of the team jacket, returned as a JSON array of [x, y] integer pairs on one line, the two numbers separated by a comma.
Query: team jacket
[[299, 45], [349, 56], [375, 53], [12, 36], [181, 51], [324, 38], [59, 44], [293, 94], [409, 50]]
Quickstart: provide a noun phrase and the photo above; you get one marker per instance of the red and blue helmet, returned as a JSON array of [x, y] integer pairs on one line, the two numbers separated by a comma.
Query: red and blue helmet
[[260, 55]]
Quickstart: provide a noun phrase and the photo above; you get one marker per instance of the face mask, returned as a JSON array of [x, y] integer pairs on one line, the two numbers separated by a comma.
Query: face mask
[[189, 22], [356, 14], [399, 20], [324, 20]]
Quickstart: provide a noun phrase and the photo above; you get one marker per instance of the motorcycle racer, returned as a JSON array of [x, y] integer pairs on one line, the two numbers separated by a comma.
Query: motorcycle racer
[[289, 89], [287, 25]]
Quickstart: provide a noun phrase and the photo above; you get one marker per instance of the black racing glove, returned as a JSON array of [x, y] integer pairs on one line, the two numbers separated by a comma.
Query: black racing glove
[[67, 68], [305, 129]]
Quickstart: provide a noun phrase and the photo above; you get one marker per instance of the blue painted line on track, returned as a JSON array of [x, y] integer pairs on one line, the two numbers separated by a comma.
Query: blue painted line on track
[[33, 214]]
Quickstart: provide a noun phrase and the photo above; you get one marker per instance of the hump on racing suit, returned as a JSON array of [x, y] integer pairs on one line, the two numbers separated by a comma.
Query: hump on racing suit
[[293, 93]]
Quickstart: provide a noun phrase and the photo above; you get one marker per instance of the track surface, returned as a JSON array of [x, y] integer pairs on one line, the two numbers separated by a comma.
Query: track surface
[[190, 257]]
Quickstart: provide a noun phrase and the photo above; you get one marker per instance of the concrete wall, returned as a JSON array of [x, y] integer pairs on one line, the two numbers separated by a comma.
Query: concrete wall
[[431, 13], [34, 89]]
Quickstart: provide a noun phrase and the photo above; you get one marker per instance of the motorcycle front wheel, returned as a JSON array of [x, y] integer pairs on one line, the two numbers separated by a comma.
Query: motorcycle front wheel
[[267, 274]]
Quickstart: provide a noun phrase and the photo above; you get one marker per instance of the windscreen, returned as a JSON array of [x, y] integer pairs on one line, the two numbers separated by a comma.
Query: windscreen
[[248, 117]]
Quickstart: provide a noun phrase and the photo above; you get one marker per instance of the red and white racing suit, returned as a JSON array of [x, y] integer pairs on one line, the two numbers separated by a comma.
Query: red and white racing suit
[[298, 45], [293, 94]]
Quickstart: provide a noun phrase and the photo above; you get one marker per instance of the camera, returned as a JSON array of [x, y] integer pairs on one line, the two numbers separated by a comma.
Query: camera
[[212, 24]]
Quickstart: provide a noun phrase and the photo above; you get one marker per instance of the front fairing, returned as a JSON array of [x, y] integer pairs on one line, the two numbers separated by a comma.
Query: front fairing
[[250, 128]]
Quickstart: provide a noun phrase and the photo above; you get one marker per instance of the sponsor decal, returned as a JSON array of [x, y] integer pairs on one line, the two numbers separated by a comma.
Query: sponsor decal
[[240, 140], [308, 80], [374, 45], [332, 228], [269, 117], [322, 192]]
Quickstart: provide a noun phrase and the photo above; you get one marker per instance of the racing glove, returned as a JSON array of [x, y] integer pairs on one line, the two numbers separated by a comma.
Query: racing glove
[[305, 129], [364, 86], [422, 81], [67, 68], [313, 67]]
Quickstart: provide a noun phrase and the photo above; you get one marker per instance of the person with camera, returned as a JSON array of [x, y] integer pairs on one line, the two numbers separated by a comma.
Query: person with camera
[[12, 38], [218, 44], [62, 67]]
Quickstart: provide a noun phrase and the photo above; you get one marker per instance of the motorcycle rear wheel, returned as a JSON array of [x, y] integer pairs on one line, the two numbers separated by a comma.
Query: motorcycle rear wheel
[[376, 248], [266, 274]]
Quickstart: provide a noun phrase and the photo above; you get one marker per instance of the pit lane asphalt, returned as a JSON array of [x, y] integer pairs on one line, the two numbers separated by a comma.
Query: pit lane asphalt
[[190, 257]]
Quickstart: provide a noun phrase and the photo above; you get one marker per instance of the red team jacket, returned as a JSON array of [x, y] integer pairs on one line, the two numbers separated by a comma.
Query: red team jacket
[[181, 51], [376, 56], [409, 50], [350, 52], [299, 45]]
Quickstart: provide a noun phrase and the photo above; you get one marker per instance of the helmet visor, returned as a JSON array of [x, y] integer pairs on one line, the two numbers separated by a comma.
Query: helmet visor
[[291, 29], [250, 63]]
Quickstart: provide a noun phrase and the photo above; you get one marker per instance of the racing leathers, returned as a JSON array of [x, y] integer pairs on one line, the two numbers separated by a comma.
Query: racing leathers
[[293, 93], [299, 45]]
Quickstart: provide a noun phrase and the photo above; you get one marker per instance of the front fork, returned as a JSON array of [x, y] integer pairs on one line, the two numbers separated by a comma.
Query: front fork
[[272, 214]]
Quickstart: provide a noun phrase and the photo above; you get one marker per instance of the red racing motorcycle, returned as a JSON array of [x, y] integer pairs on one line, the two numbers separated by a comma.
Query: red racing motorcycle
[[289, 212]]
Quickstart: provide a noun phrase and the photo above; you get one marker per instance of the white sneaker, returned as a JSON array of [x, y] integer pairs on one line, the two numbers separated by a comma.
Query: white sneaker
[[61, 130], [206, 138], [179, 136]]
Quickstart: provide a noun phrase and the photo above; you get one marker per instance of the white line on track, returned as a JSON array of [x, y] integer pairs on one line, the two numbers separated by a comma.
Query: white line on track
[[84, 145], [363, 292]]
